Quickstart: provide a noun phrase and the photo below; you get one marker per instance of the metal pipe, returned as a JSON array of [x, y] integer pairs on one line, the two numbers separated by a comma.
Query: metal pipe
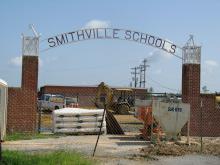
[[103, 115], [201, 133], [39, 118]]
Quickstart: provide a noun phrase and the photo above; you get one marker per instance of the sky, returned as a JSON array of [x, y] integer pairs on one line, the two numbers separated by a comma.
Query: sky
[[93, 61]]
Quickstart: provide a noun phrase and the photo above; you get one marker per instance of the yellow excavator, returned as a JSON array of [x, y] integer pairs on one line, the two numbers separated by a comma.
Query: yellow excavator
[[119, 100]]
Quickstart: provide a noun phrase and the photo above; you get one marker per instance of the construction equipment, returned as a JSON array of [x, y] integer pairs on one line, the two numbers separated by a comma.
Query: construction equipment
[[104, 96], [119, 100], [163, 117]]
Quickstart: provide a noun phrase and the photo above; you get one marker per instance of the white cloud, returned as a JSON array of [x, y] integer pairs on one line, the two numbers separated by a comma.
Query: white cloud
[[97, 24], [211, 63], [40, 62], [158, 71], [166, 55], [51, 59], [210, 66], [17, 61], [157, 55]]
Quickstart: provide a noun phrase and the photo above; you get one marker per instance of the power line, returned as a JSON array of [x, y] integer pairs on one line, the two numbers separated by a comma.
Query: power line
[[163, 86]]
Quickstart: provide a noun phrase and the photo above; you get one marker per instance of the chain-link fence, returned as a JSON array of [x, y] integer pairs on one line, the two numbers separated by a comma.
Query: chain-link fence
[[120, 105], [132, 114]]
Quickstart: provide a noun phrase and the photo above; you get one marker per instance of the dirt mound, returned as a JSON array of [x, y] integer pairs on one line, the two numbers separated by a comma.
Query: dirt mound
[[178, 149]]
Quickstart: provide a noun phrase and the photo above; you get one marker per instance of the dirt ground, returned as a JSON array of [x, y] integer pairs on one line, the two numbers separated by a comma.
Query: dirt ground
[[126, 149], [179, 148]]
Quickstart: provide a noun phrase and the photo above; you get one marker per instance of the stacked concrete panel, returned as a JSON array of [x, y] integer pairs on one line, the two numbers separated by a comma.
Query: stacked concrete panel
[[76, 120]]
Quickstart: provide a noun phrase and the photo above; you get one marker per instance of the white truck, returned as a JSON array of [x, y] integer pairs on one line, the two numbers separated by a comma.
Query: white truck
[[71, 102], [50, 102]]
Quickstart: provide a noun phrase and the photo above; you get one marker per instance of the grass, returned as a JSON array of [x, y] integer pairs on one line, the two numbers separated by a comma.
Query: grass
[[29, 136], [53, 158]]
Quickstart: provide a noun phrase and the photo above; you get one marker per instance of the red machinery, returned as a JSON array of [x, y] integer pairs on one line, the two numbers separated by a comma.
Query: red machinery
[[145, 115]]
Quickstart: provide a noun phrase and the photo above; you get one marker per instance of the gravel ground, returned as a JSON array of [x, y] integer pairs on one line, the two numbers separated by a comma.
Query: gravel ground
[[111, 145], [183, 160], [111, 150]]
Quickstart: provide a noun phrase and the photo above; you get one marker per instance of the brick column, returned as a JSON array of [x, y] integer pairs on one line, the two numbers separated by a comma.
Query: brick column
[[191, 94], [29, 73]]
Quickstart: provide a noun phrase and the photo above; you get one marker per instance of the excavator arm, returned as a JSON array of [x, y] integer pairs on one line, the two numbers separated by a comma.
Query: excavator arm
[[105, 91]]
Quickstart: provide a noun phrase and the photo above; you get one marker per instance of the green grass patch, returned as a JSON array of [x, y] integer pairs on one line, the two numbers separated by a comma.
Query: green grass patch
[[52, 158], [29, 136]]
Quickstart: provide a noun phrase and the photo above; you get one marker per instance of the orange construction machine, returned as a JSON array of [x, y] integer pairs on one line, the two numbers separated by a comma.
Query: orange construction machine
[[150, 126]]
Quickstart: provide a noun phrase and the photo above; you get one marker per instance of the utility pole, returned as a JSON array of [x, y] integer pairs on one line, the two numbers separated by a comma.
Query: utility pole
[[135, 79], [140, 73], [143, 68]]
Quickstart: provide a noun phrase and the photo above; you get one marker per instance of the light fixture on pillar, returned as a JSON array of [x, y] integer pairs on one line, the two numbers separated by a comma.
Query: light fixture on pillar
[[30, 44], [191, 52]]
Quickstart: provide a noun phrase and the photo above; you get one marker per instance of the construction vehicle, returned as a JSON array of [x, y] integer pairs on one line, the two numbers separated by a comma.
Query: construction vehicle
[[120, 100]]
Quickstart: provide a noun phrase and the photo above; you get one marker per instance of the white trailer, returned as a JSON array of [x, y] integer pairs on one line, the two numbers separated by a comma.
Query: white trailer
[[3, 107]]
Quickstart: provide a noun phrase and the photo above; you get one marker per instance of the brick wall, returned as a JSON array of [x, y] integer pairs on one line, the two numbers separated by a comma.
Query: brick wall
[[22, 102], [21, 110], [210, 116], [85, 94]]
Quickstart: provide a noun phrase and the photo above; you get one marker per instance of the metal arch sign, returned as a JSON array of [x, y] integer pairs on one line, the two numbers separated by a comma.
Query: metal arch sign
[[111, 33]]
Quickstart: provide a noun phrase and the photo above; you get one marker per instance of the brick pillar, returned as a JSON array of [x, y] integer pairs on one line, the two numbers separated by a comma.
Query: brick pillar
[[29, 86], [29, 72], [191, 94], [22, 101]]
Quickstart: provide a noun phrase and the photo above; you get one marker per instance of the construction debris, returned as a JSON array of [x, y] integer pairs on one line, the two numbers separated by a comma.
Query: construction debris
[[180, 148]]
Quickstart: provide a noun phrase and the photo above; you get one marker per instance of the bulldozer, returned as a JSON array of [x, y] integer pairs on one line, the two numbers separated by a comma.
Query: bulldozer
[[119, 100]]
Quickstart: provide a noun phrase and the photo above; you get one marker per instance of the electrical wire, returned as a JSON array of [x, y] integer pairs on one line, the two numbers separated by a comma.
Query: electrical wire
[[163, 86]]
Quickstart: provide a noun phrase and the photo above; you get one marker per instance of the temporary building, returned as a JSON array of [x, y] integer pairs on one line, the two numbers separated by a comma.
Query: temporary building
[[3, 107]]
